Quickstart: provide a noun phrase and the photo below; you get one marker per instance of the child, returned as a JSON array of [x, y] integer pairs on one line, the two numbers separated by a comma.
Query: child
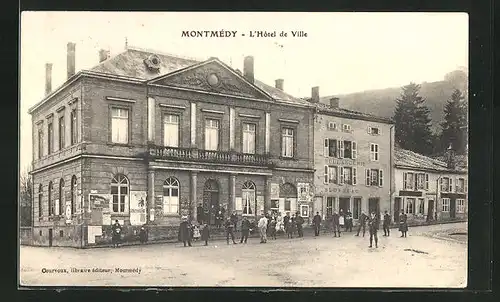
[[205, 232], [196, 232]]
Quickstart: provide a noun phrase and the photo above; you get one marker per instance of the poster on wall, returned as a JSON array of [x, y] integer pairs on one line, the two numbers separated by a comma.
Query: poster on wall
[[137, 207], [303, 192], [98, 201], [275, 190], [68, 213], [238, 204], [260, 204], [106, 219]]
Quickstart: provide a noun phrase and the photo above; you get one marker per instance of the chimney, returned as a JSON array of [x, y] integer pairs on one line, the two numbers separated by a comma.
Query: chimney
[[315, 95], [103, 55], [279, 84], [450, 162], [248, 69], [334, 102], [48, 78], [71, 59]]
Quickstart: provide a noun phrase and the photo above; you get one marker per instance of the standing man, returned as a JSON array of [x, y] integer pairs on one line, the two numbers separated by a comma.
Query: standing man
[[229, 230], [245, 229], [286, 221], [234, 219], [403, 226], [336, 224], [317, 224], [185, 231], [117, 233], [362, 223], [300, 221], [199, 213], [387, 223], [373, 227], [262, 225], [348, 225]]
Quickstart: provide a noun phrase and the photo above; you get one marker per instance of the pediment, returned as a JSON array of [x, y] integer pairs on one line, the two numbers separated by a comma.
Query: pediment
[[212, 77]]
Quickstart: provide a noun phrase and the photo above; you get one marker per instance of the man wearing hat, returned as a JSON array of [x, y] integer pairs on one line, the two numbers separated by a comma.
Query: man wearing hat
[[185, 231]]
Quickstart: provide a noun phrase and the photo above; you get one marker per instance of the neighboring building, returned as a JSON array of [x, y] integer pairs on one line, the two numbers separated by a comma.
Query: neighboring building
[[429, 189], [144, 138], [353, 160]]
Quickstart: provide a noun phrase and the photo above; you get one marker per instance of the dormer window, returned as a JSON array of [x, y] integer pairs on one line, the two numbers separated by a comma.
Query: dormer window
[[332, 126], [153, 63], [346, 128]]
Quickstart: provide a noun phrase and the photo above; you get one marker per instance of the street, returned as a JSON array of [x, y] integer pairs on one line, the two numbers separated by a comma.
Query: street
[[424, 259]]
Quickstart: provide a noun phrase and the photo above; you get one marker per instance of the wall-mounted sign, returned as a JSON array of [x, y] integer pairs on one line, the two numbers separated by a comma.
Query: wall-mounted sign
[[344, 162], [303, 192], [342, 190], [304, 210], [68, 213], [138, 207]]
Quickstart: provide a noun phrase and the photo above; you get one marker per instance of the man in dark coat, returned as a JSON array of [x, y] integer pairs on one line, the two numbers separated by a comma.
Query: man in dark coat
[[143, 235], [200, 213], [272, 228], [205, 232], [317, 224], [373, 225], [336, 224], [234, 220], [387, 223], [403, 226], [117, 233], [362, 223], [229, 230], [185, 231], [245, 229], [286, 221], [300, 221]]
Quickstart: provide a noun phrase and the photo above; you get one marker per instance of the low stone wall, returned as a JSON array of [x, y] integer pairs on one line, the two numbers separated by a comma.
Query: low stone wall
[[26, 235]]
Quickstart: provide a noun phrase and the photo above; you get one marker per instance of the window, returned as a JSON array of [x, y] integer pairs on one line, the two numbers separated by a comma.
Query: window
[[357, 208], [62, 133], [288, 205], [446, 184], [40, 204], [211, 134], [287, 135], [61, 233], [374, 155], [248, 197], [51, 203], [332, 126], [373, 131], [329, 206], [420, 206], [348, 175], [331, 174], [426, 181], [330, 149], [346, 127], [73, 194], [420, 181], [460, 205], [40, 143], [119, 191], [460, 185], [61, 197], [73, 128], [171, 196], [374, 177], [410, 205], [50, 140], [249, 138], [446, 205], [350, 149], [171, 130], [119, 125], [408, 181]]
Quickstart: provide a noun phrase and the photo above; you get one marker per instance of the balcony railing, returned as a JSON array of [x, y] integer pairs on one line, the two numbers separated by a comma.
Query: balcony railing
[[198, 155]]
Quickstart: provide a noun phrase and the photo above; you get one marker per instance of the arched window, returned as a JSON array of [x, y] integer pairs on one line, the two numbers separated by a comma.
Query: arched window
[[61, 197], [40, 204], [51, 202], [119, 191], [171, 196], [248, 197], [73, 194]]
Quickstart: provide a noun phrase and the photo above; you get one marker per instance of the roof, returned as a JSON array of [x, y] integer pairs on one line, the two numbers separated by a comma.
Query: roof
[[325, 108], [460, 160], [130, 63], [409, 159]]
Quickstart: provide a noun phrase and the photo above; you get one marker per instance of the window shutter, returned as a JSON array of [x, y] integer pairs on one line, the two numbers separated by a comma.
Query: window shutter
[[341, 175], [441, 184], [367, 180], [341, 149], [415, 181], [325, 149], [380, 178], [354, 150], [354, 176], [369, 130], [326, 174], [426, 181], [450, 189], [465, 185], [405, 180]]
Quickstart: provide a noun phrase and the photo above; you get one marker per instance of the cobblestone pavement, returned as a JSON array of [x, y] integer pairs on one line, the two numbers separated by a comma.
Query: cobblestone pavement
[[420, 260]]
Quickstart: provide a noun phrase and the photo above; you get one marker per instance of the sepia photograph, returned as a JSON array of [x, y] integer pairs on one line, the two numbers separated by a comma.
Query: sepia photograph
[[243, 149]]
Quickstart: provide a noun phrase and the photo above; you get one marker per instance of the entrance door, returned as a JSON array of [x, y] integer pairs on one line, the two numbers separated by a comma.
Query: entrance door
[[397, 208], [453, 207], [430, 210], [211, 200], [344, 203], [374, 206], [50, 237]]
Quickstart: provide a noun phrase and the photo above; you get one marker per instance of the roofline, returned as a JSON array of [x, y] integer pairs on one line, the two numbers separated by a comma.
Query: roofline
[[77, 76], [399, 166], [353, 116]]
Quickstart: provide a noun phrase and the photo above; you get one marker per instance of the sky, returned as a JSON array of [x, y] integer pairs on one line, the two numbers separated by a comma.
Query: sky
[[342, 53]]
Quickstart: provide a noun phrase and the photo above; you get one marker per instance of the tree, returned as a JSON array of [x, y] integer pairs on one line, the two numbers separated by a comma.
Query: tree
[[454, 127], [411, 116], [25, 198]]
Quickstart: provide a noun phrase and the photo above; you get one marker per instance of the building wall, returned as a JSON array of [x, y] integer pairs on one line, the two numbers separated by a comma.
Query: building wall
[[363, 139], [433, 193]]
